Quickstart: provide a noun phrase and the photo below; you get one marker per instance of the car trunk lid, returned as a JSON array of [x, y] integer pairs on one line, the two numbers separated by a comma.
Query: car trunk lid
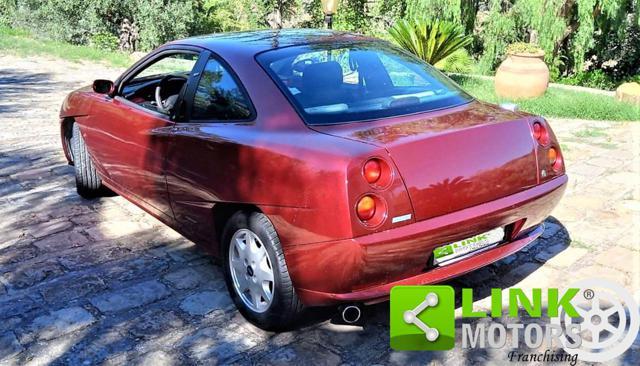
[[456, 158]]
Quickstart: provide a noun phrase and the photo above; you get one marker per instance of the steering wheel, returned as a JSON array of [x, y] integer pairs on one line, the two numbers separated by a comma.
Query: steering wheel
[[166, 105]]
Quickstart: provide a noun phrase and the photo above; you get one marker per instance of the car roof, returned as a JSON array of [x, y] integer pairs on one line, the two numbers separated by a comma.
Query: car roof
[[250, 43]]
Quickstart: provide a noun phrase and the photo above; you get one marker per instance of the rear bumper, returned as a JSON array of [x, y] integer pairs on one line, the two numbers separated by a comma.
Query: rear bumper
[[364, 269]]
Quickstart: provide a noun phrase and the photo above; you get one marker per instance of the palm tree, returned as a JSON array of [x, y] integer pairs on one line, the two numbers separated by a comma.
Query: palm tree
[[430, 40]]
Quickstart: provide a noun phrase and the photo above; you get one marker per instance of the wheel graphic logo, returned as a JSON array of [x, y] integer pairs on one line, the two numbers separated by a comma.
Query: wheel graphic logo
[[608, 328]]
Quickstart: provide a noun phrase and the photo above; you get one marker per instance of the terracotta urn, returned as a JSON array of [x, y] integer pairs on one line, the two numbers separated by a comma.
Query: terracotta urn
[[522, 76]]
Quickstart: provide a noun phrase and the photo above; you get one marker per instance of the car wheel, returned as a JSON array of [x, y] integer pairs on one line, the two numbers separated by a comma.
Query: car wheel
[[256, 272], [88, 182]]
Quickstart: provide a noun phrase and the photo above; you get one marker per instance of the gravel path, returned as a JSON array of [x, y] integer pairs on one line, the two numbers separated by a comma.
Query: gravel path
[[102, 282]]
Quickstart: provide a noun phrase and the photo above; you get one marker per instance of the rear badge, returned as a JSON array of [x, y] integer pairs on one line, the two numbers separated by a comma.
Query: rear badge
[[401, 218]]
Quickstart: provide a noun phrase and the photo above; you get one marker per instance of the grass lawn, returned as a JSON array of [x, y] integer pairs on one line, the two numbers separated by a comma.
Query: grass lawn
[[558, 102], [22, 43]]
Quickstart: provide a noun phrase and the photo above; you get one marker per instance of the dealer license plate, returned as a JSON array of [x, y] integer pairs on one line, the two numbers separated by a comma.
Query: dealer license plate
[[455, 251]]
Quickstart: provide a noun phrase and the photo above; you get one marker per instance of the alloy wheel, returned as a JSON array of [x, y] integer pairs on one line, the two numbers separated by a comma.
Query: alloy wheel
[[251, 270]]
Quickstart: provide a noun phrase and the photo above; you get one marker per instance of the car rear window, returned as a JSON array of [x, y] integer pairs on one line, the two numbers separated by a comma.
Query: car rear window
[[350, 82]]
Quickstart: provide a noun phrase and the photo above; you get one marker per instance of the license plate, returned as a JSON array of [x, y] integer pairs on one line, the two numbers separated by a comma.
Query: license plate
[[450, 252]]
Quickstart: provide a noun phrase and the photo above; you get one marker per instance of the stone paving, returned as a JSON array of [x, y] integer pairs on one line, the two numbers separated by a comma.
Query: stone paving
[[86, 282]]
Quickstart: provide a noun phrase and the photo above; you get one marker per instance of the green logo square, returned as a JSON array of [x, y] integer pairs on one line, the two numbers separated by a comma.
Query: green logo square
[[422, 318]]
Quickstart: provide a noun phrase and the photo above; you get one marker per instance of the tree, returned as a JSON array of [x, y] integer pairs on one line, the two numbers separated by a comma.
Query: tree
[[566, 30], [277, 12]]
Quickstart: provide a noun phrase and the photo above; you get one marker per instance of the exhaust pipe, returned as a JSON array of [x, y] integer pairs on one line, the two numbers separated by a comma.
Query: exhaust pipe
[[351, 313]]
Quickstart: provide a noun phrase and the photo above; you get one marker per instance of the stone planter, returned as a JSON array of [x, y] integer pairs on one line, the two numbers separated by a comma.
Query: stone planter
[[629, 93], [522, 76]]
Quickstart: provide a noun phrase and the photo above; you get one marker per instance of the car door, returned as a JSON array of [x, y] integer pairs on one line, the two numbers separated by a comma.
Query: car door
[[130, 137], [204, 151]]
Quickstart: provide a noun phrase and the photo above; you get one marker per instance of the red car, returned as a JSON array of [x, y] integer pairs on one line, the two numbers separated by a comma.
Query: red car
[[321, 167]]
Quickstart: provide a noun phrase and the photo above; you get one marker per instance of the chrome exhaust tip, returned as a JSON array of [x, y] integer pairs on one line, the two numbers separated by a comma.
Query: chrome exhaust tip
[[351, 313]]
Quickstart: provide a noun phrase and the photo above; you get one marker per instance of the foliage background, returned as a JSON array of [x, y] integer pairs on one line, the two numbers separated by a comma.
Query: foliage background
[[586, 42]]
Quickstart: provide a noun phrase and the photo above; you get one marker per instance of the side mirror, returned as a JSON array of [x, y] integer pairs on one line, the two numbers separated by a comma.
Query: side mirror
[[101, 86]]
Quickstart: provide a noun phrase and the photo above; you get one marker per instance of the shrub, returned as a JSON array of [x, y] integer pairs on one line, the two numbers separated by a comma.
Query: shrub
[[104, 41], [617, 49], [160, 21], [522, 47], [596, 79], [430, 40], [352, 15], [223, 16], [591, 79], [458, 62], [63, 20], [7, 12], [77, 22]]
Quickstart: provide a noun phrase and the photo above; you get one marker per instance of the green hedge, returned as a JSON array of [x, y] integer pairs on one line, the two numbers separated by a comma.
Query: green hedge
[[78, 22]]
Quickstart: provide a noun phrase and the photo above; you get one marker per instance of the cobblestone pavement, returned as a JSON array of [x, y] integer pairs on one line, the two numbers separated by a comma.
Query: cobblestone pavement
[[100, 281]]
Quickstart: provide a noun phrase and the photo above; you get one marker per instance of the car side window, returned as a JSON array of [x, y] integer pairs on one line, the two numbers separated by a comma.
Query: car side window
[[174, 67], [219, 96], [177, 63]]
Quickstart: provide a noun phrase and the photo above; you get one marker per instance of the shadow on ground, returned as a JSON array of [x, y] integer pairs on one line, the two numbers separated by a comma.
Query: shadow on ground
[[15, 84]]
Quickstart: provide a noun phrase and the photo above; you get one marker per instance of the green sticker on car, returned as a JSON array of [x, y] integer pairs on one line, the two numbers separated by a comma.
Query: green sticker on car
[[447, 253]]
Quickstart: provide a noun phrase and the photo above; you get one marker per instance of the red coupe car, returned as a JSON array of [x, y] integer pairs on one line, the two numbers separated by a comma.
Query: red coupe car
[[321, 167]]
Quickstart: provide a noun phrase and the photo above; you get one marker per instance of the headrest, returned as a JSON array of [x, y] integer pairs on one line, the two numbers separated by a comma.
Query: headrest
[[320, 76]]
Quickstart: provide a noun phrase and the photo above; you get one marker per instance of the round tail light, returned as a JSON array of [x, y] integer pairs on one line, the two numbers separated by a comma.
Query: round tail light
[[540, 133], [372, 171], [552, 155], [537, 130], [366, 208], [377, 173], [555, 159]]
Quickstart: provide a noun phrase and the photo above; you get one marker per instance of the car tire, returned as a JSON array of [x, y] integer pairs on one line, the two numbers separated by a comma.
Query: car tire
[[88, 182], [285, 307]]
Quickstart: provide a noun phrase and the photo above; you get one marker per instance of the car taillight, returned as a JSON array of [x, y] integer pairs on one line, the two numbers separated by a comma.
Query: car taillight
[[377, 173], [371, 208], [537, 130], [366, 208], [552, 155], [554, 158], [372, 171], [548, 153], [540, 133]]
